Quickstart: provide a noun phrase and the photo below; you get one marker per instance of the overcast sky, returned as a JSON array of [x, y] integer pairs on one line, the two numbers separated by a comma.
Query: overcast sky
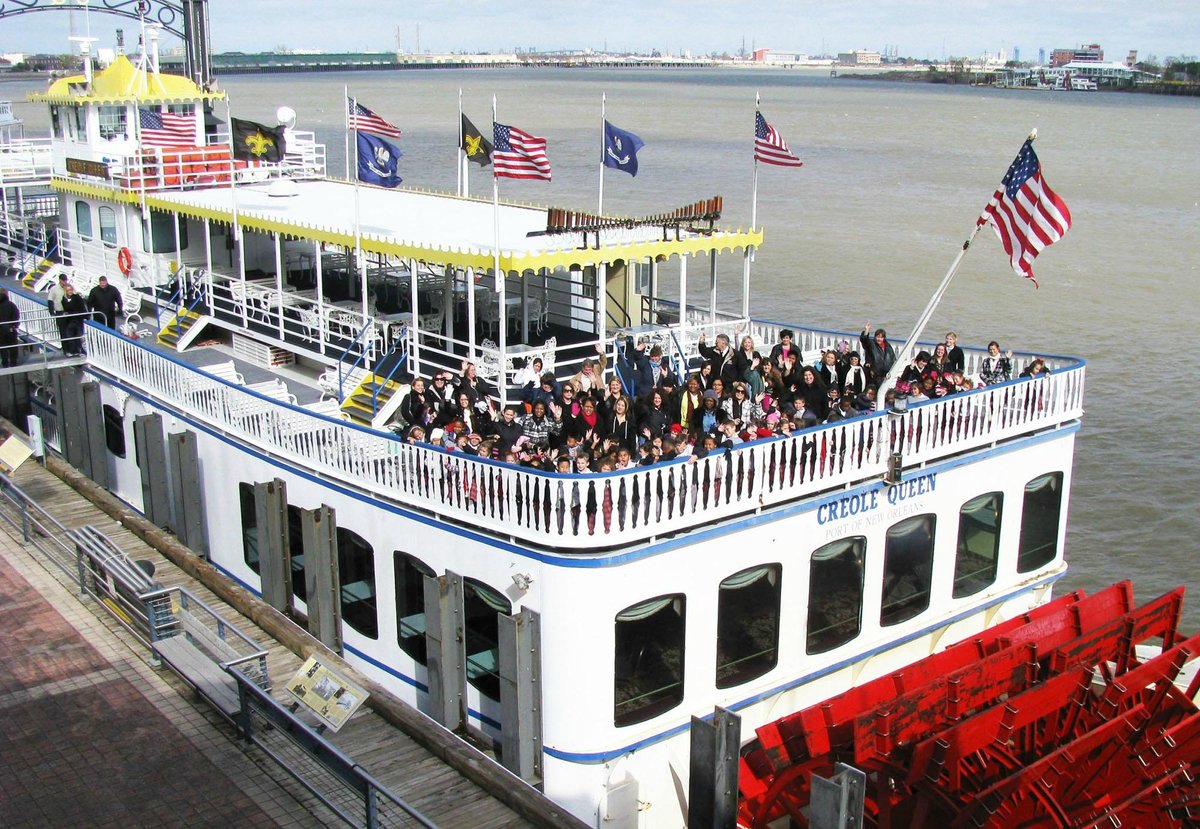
[[917, 28]]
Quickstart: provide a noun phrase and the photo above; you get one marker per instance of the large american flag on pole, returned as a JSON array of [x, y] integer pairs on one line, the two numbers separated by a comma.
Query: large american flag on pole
[[166, 129], [1028, 216], [769, 146], [517, 154], [364, 120]]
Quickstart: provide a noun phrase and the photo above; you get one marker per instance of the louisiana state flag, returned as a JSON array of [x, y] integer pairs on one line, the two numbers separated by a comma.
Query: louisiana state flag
[[378, 161]]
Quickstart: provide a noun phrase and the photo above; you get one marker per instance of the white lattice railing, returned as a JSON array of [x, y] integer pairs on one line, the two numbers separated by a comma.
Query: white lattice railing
[[588, 512]]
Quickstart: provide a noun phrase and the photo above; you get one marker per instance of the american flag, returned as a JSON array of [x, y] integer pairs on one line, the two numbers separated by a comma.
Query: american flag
[[166, 129], [769, 146], [1027, 214], [364, 120], [517, 154]]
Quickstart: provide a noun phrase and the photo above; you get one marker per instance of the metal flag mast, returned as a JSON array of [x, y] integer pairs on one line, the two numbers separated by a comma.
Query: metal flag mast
[[346, 134], [748, 253], [460, 155], [502, 380], [905, 353], [600, 199]]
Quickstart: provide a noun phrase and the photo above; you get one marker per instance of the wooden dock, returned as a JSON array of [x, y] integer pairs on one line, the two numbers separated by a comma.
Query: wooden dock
[[425, 769]]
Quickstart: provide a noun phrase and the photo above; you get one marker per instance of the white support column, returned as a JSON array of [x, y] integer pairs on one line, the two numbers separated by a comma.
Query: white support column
[[602, 303], [683, 262], [471, 326], [320, 302], [208, 248], [452, 275], [524, 309], [279, 275], [653, 292], [712, 287], [501, 297], [747, 256]]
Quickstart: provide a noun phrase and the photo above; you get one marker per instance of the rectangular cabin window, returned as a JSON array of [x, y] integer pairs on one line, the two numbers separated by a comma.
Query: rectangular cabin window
[[114, 430], [835, 594], [356, 570], [978, 544], [748, 625], [648, 670], [907, 569], [249, 526], [83, 220], [108, 226], [113, 121], [482, 605], [296, 550], [160, 232], [410, 573], [1040, 517]]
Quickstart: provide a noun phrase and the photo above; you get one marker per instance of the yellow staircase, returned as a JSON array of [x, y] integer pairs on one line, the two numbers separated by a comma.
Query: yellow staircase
[[174, 331], [357, 405], [41, 269]]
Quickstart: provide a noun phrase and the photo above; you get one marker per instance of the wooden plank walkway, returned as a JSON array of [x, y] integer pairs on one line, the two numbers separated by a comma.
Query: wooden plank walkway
[[408, 769]]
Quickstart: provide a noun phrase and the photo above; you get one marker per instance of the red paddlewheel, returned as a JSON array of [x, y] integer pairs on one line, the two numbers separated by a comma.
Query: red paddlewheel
[[1048, 720]]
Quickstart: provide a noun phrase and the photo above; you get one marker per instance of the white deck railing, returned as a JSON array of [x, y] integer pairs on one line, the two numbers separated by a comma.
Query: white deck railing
[[26, 160], [587, 512]]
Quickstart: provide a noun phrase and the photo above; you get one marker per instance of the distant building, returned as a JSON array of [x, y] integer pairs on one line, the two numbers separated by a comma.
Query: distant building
[[1084, 54], [773, 56], [860, 57], [45, 63]]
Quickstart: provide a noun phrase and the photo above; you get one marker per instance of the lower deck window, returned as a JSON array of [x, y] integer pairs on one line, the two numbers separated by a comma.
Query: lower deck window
[[1039, 522], [114, 431], [296, 550], [482, 606], [356, 572], [649, 659], [835, 594], [410, 573], [249, 526], [978, 544], [907, 569], [748, 625]]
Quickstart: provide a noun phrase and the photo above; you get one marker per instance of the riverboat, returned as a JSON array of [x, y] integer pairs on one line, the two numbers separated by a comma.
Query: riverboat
[[584, 626]]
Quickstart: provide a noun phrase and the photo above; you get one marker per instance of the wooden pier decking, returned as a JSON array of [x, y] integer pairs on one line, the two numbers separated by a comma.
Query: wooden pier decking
[[403, 764]]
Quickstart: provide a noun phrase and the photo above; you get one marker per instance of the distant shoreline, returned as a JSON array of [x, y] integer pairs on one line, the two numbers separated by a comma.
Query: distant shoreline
[[968, 78]]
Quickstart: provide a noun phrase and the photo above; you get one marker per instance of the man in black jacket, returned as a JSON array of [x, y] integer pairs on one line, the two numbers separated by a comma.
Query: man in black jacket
[[10, 318], [105, 303], [74, 310]]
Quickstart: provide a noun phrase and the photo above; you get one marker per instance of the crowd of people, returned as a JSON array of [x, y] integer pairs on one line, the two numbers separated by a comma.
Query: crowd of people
[[642, 415]]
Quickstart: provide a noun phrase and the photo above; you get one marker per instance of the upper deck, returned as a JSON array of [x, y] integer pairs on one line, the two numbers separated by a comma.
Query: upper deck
[[598, 514]]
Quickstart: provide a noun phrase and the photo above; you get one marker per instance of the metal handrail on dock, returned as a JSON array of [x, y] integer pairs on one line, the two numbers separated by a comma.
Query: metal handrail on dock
[[176, 625]]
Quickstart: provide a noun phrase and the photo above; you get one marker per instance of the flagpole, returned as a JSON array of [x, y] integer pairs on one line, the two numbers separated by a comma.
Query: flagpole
[[357, 209], [346, 134], [748, 253], [460, 154], [905, 353], [754, 188], [502, 308], [232, 169], [600, 200]]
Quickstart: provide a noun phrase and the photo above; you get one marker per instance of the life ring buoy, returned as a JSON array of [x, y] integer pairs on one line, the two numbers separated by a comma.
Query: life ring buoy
[[125, 261]]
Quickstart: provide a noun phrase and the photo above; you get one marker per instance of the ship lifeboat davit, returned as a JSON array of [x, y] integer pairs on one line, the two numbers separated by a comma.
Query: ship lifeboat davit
[[1080, 713]]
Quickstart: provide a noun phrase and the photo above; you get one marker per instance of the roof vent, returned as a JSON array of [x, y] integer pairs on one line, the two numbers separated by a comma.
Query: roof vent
[[282, 188]]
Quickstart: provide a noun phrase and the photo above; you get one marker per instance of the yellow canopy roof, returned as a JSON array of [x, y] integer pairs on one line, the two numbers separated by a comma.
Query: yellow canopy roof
[[122, 82]]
